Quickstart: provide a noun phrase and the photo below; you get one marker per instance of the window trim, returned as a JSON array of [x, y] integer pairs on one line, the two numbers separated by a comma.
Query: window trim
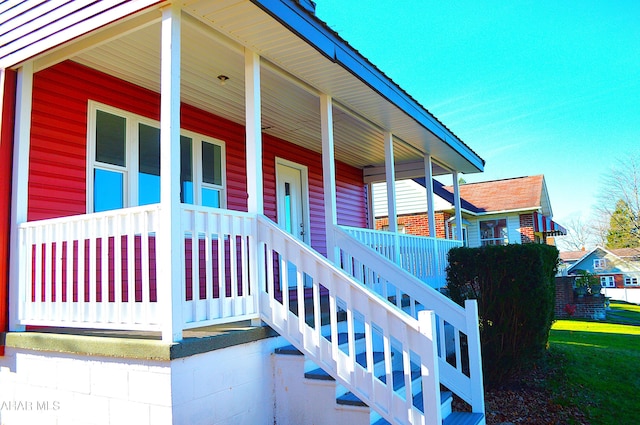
[[631, 279], [132, 143], [505, 240], [599, 263], [607, 281]]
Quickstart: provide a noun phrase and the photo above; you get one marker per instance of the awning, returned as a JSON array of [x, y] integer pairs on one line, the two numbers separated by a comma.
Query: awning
[[544, 224]]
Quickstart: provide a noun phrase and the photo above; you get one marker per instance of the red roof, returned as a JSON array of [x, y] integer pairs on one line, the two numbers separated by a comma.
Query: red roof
[[572, 255], [626, 252], [503, 195]]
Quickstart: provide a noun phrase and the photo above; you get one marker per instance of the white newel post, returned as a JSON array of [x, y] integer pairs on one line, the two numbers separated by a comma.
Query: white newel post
[[428, 181], [170, 239], [430, 369], [475, 356], [20, 195], [457, 206], [329, 176], [390, 173], [253, 148]]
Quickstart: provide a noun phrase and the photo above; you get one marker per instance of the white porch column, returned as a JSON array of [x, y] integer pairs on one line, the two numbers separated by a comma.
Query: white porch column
[[390, 171], [253, 145], [170, 239], [428, 180], [329, 176], [457, 206], [20, 189]]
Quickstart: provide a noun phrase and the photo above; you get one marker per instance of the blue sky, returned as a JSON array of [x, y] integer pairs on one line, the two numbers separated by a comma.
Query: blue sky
[[534, 87]]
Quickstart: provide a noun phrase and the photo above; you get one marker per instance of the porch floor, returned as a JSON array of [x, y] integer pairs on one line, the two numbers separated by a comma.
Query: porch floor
[[136, 344]]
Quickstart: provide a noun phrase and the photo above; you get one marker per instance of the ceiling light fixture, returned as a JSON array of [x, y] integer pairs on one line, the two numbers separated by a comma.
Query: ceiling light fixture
[[223, 79]]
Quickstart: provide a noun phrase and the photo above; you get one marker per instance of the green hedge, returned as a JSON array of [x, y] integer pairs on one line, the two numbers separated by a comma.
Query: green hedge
[[515, 289]]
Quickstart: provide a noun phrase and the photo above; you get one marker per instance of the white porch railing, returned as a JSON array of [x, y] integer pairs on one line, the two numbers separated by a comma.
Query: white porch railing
[[423, 257], [94, 270], [99, 271], [69, 266], [458, 340], [220, 276], [402, 341]]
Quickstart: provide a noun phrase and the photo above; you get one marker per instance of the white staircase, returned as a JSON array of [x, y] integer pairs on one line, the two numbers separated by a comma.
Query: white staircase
[[362, 359]]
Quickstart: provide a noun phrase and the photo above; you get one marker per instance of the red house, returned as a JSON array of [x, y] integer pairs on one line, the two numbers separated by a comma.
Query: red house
[[187, 192]]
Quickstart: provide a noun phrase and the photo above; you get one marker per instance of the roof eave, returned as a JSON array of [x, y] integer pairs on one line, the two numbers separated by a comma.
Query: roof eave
[[331, 45]]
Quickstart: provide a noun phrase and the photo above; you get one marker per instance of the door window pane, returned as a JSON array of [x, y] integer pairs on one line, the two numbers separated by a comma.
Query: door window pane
[[186, 173], [211, 163], [108, 191], [110, 138], [149, 165], [287, 208]]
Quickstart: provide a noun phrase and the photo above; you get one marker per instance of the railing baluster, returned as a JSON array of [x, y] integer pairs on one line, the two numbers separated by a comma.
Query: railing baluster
[[71, 235], [48, 258], [208, 277], [117, 268], [57, 259], [131, 232], [38, 269]]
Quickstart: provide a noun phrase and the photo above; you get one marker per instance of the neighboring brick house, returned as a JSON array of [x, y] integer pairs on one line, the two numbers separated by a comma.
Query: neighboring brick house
[[515, 210], [618, 270]]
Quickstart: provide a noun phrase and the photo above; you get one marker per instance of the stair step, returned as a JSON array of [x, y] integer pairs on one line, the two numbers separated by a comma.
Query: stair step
[[289, 350], [381, 421], [398, 378], [349, 399], [318, 374], [343, 337], [463, 418], [455, 418]]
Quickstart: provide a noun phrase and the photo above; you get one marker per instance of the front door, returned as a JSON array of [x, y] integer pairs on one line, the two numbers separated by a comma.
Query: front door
[[291, 194], [292, 211]]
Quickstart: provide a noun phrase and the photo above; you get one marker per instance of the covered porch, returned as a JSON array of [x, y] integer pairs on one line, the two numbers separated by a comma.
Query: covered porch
[[271, 128], [133, 248]]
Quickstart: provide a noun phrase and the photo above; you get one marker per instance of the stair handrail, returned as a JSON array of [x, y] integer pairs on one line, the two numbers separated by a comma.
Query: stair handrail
[[377, 273], [374, 387]]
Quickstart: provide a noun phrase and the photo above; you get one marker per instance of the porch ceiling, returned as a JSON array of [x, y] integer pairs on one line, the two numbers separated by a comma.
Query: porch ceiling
[[293, 74]]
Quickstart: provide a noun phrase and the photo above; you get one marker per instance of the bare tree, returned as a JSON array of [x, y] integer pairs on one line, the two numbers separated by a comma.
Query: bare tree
[[580, 235], [622, 183]]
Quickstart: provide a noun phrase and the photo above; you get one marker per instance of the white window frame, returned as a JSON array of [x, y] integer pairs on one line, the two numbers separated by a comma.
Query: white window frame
[[630, 281], [607, 282], [131, 169], [465, 234], [599, 263], [504, 240], [196, 157]]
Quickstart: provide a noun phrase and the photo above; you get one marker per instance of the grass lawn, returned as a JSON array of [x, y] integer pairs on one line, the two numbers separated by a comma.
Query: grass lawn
[[600, 363]]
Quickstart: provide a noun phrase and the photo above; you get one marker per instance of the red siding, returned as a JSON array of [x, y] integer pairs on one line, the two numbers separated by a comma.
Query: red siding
[[57, 177], [6, 144]]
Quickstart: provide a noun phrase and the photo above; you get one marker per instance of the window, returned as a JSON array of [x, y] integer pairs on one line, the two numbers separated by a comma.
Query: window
[[607, 281], [465, 234], [630, 281], [599, 263], [401, 228], [494, 232], [124, 162]]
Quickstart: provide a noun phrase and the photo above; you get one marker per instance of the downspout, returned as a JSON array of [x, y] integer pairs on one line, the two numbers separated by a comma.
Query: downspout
[[7, 119]]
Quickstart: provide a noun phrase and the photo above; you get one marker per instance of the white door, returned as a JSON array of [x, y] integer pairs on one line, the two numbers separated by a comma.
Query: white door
[[291, 195]]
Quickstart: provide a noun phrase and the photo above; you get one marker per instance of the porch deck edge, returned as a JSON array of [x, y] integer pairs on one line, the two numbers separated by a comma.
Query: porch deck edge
[[136, 345]]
